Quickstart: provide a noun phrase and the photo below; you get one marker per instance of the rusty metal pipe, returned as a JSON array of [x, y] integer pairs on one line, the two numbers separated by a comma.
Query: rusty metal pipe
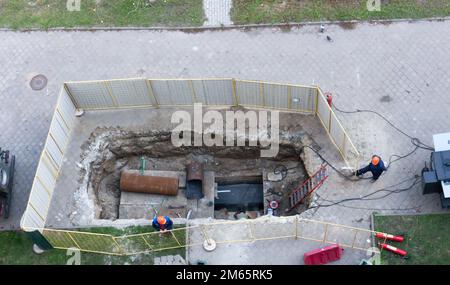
[[133, 181], [194, 171]]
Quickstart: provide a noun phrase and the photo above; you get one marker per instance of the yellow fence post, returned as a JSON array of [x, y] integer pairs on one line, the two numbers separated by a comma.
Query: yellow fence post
[[194, 95], [235, 97], [261, 93], [148, 82], [74, 241], [146, 242], [252, 236], [354, 238], [317, 101], [72, 98], [289, 93], [325, 235], [205, 234], [113, 98], [119, 247], [173, 235], [329, 121], [344, 137]]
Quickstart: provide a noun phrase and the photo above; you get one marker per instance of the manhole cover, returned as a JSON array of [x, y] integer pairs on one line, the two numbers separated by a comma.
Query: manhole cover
[[38, 82]]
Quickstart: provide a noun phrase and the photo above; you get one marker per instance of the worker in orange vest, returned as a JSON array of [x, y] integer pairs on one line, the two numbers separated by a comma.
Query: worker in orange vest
[[376, 166], [162, 223]]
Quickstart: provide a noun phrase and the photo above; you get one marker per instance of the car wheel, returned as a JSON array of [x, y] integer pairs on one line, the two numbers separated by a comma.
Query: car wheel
[[3, 178]]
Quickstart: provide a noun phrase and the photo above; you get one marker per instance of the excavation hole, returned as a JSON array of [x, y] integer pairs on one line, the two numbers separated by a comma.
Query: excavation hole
[[236, 177]]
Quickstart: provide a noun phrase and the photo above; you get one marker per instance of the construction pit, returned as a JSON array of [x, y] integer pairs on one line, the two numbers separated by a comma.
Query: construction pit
[[237, 182]]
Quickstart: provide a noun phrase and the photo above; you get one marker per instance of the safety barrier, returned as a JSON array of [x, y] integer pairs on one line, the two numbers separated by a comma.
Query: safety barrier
[[336, 131], [156, 93], [222, 232], [141, 93], [50, 163], [217, 92]]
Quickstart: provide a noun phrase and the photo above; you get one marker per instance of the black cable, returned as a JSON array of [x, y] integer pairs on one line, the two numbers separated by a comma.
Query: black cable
[[329, 164], [415, 141], [280, 168], [365, 197], [400, 157]]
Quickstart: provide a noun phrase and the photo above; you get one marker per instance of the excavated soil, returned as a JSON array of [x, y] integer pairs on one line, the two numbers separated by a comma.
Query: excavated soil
[[111, 150]]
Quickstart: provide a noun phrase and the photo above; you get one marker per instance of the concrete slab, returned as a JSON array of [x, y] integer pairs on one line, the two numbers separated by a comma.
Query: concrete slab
[[142, 205]]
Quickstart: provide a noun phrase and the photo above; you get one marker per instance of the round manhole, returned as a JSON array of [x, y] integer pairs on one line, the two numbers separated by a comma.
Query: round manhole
[[38, 82]]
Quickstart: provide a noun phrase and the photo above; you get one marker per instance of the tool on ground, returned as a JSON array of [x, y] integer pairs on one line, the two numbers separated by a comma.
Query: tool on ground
[[271, 191], [389, 237], [392, 249], [307, 187]]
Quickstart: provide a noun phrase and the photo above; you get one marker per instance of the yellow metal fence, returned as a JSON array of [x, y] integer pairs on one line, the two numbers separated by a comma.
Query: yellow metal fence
[[217, 92], [144, 93], [224, 232]]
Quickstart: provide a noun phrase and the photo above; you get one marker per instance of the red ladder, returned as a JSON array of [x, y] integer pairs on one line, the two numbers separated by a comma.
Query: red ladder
[[307, 187]]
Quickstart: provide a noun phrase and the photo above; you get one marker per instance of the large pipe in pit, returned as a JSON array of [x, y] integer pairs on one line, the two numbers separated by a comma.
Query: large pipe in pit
[[133, 181]]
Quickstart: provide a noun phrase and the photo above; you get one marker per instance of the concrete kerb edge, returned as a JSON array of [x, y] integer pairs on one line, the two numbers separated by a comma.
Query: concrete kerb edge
[[410, 214], [228, 27]]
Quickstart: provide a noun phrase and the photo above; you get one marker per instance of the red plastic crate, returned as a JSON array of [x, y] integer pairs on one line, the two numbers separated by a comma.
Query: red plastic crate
[[323, 255]]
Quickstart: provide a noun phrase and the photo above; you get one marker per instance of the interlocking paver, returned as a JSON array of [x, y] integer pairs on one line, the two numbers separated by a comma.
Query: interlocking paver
[[217, 12]]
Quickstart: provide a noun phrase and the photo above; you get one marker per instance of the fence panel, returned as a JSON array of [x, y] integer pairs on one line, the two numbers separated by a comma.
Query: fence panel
[[59, 239], [283, 227], [214, 92], [93, 242], [241, 231], [336, 131], [323, 111], [250, 93], [141, 92], [173, 92], [132, 93], [276, 95], [49, 163], [231, 232], [303, 98], [92, 95]]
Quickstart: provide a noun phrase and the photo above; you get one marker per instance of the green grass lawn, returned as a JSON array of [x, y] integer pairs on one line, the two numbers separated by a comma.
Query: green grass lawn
[[44, 14], [427, 238], [16, 248], [282, 11]]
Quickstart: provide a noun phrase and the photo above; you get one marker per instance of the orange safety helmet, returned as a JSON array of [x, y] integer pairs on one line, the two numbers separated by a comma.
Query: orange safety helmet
[[375, 160], [161, 220]]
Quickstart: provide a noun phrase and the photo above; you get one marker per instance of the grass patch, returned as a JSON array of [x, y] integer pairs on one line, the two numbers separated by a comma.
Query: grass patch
[[46, 14], [16, 249], [283, 11], [427, 238]]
